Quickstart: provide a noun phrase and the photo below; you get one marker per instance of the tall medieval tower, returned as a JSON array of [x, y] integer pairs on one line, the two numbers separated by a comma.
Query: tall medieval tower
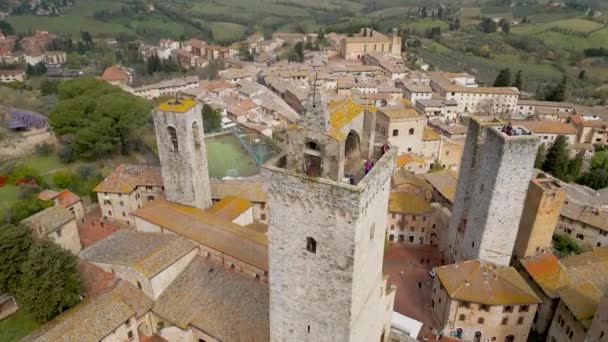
[[494, 174], [181, 149], [541, 212], [326, 236]]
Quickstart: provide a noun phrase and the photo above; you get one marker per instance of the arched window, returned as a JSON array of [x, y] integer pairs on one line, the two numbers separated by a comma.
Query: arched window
[[311, 245], [196, 135], [173, 137]]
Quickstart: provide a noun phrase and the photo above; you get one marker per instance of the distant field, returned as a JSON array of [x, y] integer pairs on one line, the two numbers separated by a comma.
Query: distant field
[[424, 24], [470, 16], [227, 32], [576, 25]]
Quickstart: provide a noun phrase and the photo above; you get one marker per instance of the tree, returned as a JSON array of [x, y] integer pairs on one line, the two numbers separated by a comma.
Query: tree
[[64, 179], [299, 50], [540, 157], [49, 282], [557, 160], [6, 28], [488, 25], [575, 166], [15, 242], [595, 179], [245, 53], [518, 82], [485, 51], [503, 79], [48, 87], [504, 25], [558, 93], [153, 64], [212, 119], [99, 118]]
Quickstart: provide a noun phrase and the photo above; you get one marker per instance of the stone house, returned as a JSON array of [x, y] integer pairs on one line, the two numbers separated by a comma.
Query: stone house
[[7, 76], [403, 127], [126, 189], [250, 190], [586, 224], [439, 109], [444, 186], [368, 41], [416, 91], [599, 326], [431, 144], [409, 219], [545, 110], [479, 301], [590, 131], [149, 261], [121, 314], [412, 163], [66, 199], [57, 224], [548, 131]]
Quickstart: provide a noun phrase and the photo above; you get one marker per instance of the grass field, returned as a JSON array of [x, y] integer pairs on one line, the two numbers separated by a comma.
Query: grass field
[[16, 326], [424, 24], [576, 25], [470, 16], [227, 32], [224, 153]]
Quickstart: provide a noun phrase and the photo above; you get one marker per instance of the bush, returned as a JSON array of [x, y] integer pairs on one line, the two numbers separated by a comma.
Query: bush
[[44, 149], [64, 179], [24, 174], [28, 191], [66, 154], [565, 245]]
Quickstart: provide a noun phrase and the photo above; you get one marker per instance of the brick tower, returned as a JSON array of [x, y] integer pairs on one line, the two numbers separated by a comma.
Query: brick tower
[[326, 236], [544, 201], [496, 168], [181, 150]]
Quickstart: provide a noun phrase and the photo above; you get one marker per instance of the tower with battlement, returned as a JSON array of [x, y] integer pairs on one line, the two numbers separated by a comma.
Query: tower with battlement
[[326, 234], [541, 212], [496, 168], [181, 149]]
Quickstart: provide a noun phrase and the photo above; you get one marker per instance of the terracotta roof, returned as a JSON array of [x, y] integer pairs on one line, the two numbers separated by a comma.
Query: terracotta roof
[[226, 305], [485, 283], [149, 253], [548, 272], [549, 127], [405, 159], [341, 113], [402, 176], [180, 106], [230, 208], [49, 219], [429, 134], [115, 73], [581, 299], [47, 195], [209, 230], [95, 318], [125, 178], [444, 182], [250, 190], [408, 203], [395, 113]]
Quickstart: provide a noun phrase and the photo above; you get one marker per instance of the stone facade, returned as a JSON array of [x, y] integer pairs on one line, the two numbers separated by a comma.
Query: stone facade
[[181, 149], [67, 237], [495, 171], [328, 237], [413, 228], [370, 41], [565, 327], [478, 322], [586, 225], [599, 326], [541, 211], [117, 207]]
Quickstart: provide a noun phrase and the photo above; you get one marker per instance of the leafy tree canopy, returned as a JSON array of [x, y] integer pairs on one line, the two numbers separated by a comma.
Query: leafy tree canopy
[[15, 242], [212, 119]]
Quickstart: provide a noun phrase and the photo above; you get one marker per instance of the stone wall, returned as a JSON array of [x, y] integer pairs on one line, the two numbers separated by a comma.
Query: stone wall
[[160, 281], [565, 327], [67, 237], [348, 224]]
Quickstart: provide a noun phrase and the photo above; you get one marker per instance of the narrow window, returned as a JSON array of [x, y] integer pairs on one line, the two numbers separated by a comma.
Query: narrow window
[[461, 317], [411, 131], [520, 320], [139, 285], [196, 135], [371, 231], [311, 246], [173, 137], [308, 329], [395, 132], [505, 320], [480, 320]]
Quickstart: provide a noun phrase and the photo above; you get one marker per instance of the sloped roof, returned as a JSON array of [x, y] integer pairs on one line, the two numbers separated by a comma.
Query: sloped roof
[[595, 217], [429, 134], [225, 305], [229, 208], [401, 112], [341, 113], [93, 319], [149, 253], [444, 181], [250, 190], [408, 203], [49, 219], [115, 73], [125, 178], [547, 272], [581, 299], [485, 283], [239, 242], [548, 127]]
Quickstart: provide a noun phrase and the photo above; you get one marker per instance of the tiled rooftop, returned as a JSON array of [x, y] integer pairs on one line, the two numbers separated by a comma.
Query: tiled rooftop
[[229, 208], [485, 283], [49, 219], [149, 253], [408, 203], [444, 181], [226, 305], [125, 178]]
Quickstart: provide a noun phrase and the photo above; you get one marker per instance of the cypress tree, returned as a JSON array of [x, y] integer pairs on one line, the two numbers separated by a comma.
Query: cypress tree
[[503, 79], [518, 82], [556, 161]]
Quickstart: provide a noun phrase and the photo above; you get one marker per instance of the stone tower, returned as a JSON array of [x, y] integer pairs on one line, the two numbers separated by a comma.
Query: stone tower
[[326, 236], [181, 150], [495, 170], [540, 215], [396, 43]]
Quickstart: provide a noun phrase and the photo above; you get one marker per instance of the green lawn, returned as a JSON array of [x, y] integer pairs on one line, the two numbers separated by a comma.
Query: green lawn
[[224, 153], [17, 326], [577, 25], [8, 196], [227, 32]]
